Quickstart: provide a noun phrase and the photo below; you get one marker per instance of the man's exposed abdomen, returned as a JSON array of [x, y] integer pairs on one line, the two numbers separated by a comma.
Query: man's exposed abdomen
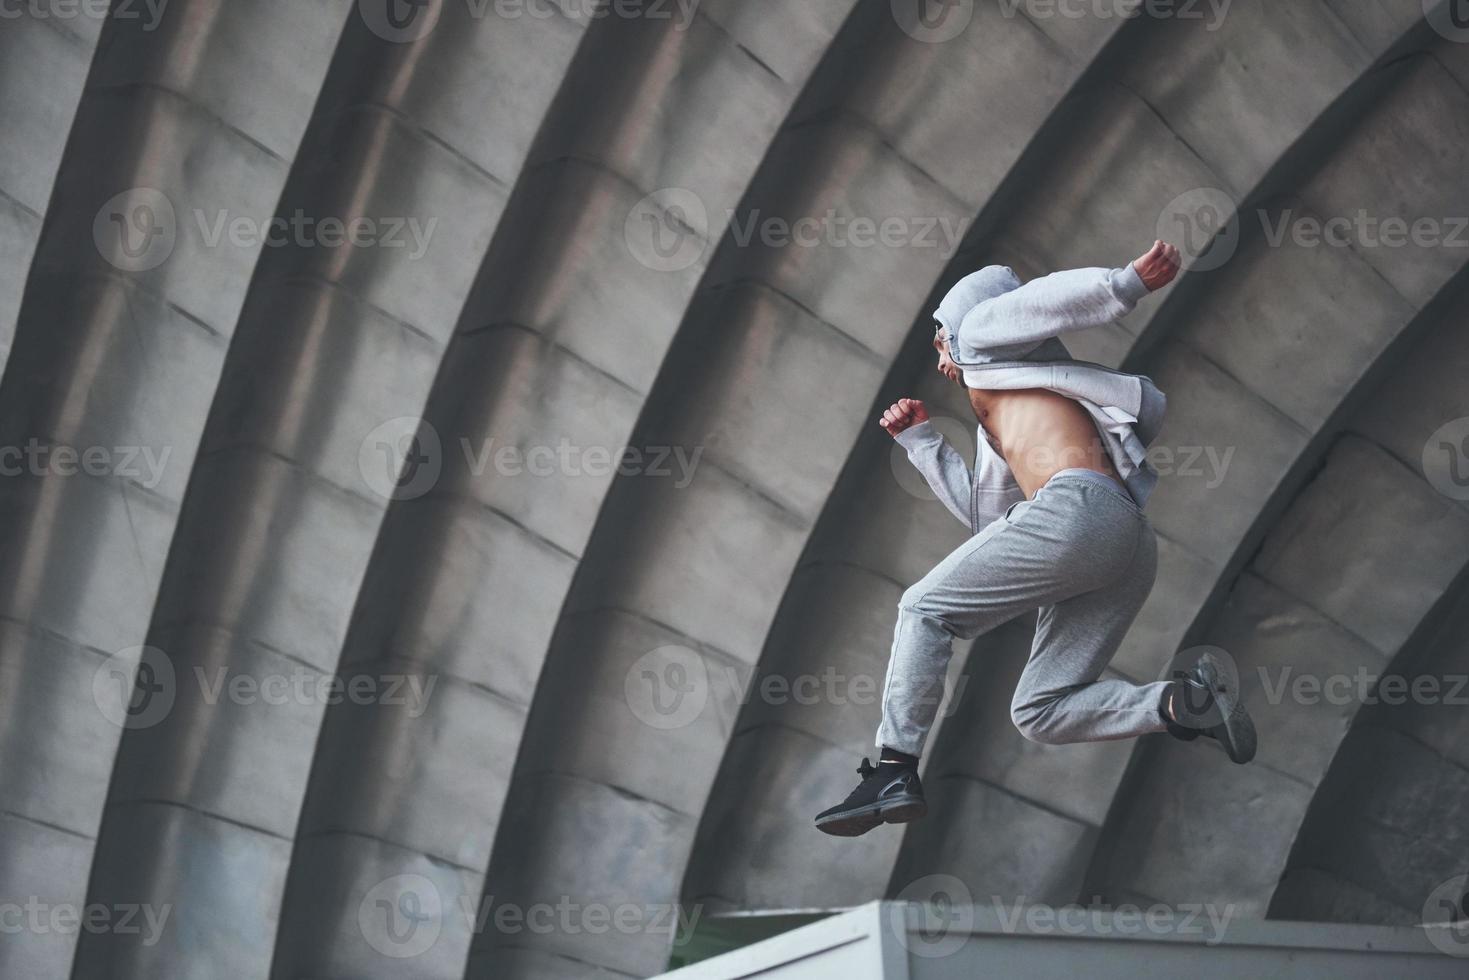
[[1040, 433]]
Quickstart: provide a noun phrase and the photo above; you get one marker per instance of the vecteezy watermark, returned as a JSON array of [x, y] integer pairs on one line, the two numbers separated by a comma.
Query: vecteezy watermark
[[39, 917], [1362, 687], [671, 687], [1363, 230], [1211, 12], [933, 21], [403, 916], [406, 21], [1208, 463], [403, 458], [148, 11], [933, 917], [302, 230], [1205, 224], [144, 465], [1446, 916], [1446, 459], [836, 230], [1204, 920], [1450, 18], [667, 230], [137, 687], [1193, 706], [139, 230]]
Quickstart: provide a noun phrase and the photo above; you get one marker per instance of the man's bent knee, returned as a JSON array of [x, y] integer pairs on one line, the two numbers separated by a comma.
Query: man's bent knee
[[1037, 723], [912, 601]]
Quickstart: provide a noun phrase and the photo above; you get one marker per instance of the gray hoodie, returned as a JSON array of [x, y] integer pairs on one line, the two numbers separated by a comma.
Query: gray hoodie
[[1003, 335]]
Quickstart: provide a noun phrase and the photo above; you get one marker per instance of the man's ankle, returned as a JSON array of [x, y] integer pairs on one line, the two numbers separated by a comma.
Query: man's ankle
[[892, 757]]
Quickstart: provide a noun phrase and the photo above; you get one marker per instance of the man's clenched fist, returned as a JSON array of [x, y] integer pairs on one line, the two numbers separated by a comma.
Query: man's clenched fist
[[1159, 266], [905, 412]]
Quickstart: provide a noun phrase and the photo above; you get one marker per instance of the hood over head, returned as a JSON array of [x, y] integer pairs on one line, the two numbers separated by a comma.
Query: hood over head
[[973, 289]]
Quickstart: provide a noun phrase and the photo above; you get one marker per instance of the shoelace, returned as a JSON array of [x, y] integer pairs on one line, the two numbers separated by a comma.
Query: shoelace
[[865, 770]]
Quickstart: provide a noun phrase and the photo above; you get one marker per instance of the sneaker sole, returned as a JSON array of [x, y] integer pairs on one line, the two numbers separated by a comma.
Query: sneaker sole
[[1239, 739], [855, 823]]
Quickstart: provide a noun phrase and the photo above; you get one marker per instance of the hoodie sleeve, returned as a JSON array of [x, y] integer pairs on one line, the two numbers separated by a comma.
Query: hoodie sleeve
[[1052, 305], [942, 466]]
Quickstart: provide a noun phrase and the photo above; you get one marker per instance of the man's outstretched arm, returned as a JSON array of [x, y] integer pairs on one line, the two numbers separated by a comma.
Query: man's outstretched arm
[[1066, 301], [941, 465]]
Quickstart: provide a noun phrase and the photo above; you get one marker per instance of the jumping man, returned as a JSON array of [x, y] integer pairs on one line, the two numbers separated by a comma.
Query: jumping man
[[1055, 506]]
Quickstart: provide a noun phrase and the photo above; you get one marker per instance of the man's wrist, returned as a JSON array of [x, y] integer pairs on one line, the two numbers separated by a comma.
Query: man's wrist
[[1130, 284], [916, 434]]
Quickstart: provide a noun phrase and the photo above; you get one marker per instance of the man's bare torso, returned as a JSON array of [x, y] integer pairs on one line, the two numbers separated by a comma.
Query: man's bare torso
[[1040, 433]]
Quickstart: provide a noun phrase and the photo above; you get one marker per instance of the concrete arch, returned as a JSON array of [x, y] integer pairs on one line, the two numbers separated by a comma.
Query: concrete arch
[[857, 145], [563, 333], [755, 847], [616, 191], [1386, 138], [1125, 109], [59, 50], [1302, 611], [114, 351], [280, 519]]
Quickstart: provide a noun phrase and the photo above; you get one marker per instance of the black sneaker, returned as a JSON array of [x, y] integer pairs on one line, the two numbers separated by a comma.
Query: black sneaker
[[890, 794], [1212, 708]]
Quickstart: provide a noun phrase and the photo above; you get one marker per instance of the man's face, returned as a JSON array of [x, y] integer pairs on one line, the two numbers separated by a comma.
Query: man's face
[[947, 367]]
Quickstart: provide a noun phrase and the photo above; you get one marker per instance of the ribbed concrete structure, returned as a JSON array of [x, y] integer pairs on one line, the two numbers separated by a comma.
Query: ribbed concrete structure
[[710, 232]]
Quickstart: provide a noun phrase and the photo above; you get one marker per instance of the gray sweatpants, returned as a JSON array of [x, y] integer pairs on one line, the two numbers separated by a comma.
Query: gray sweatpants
[[1083, 553]]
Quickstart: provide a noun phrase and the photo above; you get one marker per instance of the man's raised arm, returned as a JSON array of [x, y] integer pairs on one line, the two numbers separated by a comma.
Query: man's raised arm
[[1066, 301], [941, 465]]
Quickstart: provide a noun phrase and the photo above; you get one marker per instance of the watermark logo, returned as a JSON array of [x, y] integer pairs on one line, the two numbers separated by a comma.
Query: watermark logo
[[944, 910], [1213, 12], [664, 231], [137, 230], [1450, 18], [1363, 230], [1204, 224], [569, 917], [1207, 921], [144, 465], [401, 459], [667, 688], [301, 230], [402, 916], [40, 918], [671, 688], [400, 21], [1446, 914], [135, 687], [1446, 459], [1363, 687], [149, 11], [836, 230], [933, 21], [1195, 707]]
